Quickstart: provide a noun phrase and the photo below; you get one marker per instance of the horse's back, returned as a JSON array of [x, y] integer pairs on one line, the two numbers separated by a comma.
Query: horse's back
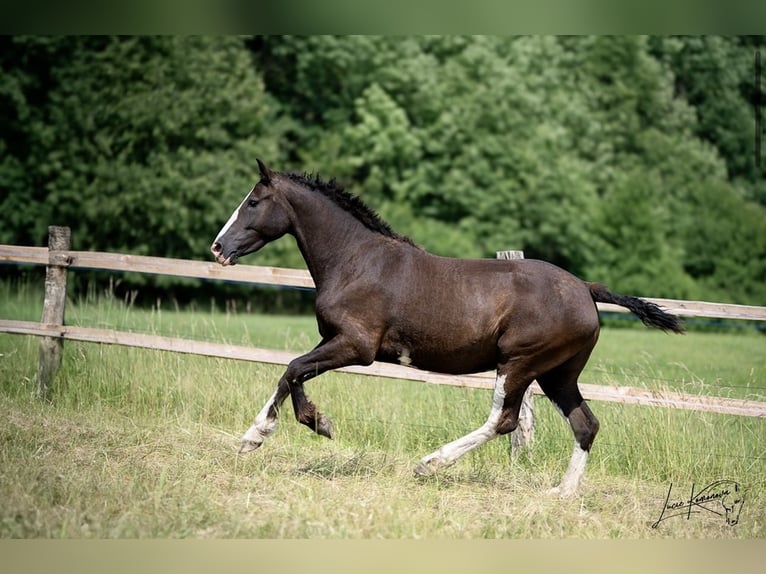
[[451, 313], [512, 284]]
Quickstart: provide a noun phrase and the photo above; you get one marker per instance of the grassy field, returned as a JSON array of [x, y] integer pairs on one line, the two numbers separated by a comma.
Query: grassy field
[[139, 443]]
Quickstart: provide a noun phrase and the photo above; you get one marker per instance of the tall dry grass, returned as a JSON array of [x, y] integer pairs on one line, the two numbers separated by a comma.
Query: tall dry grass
[[139, 443]]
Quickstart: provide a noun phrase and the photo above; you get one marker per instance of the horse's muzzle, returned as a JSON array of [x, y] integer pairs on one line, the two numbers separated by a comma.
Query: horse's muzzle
[[217, 250]]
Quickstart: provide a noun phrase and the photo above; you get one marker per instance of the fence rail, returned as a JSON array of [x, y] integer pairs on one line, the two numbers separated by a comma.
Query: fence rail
[[296, 277], [157, 266], [56, 258], [607, 393]]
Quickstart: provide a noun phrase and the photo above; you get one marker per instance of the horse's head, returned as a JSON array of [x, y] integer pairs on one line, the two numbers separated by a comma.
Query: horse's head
[[260, 218]]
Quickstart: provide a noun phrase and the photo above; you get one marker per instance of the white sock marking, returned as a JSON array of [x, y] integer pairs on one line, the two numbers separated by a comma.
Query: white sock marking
[[451, 452], [574, 472], [262, 426]]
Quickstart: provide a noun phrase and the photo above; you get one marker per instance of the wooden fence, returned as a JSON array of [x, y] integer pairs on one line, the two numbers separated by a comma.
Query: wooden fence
[[53, 330]]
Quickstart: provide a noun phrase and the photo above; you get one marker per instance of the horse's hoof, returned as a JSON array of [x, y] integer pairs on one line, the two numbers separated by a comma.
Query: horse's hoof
[[426, 468], [324, 427], [561, 492], [249, 446]]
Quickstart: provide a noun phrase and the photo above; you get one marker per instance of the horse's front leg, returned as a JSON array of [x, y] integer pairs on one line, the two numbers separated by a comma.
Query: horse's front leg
[[306, 412], [265, 422], [330, 354]]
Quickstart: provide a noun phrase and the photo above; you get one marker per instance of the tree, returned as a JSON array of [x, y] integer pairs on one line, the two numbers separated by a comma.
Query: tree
[[725, 244], [600, 154], [638, 257], [474, 144], [716, 75], [141, 145]]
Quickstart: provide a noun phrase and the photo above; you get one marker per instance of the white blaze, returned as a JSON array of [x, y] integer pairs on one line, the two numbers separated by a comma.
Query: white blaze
[[232, 219]]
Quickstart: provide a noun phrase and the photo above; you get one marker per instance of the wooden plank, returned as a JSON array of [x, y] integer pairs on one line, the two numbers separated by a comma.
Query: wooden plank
[[698, 309], [301, 278], [21, 254], [195, 269], [673, 400], [161, 266], [713, 310], [607, 393]]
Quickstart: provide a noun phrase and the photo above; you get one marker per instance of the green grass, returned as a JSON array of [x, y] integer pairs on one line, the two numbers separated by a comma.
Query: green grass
[[139, 443]]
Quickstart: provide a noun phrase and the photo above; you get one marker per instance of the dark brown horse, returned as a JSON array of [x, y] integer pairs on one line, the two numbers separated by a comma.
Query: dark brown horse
[[380, 297]]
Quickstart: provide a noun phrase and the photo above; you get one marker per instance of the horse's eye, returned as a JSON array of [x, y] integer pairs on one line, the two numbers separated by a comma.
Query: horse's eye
[[252, 203]]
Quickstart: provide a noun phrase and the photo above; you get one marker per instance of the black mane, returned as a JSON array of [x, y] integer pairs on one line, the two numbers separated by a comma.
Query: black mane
[[349, 203]]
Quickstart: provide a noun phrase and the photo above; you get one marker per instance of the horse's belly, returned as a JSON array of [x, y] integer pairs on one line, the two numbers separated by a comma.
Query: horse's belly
[[455, 364], [445, 358]]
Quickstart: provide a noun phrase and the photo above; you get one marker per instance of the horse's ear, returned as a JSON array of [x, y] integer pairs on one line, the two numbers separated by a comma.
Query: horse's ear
[[266, 173]]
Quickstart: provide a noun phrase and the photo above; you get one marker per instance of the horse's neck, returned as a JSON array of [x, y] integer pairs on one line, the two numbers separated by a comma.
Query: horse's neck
[[327, 236]]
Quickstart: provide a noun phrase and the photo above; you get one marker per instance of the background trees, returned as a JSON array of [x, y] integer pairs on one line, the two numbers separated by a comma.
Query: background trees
[[139, 144], [628, 160]]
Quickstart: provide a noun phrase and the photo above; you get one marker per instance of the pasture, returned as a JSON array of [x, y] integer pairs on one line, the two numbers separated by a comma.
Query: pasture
[[139, 443]]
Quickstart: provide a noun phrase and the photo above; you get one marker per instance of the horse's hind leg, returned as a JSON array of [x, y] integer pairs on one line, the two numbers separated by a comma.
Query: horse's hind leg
[[560, 385], [502, 419]]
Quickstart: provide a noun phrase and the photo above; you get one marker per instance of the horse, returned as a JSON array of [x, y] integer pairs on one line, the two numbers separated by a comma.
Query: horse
[[381, 297]]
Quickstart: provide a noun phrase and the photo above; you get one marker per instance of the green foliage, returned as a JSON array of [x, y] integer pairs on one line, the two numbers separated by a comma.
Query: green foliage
[[139, 144], [576, 150], [627, 160], [729, 224], [632, 215], [716, 75]]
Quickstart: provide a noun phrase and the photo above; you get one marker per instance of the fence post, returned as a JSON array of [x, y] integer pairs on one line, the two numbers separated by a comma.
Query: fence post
[[49, 356], [524, 434]]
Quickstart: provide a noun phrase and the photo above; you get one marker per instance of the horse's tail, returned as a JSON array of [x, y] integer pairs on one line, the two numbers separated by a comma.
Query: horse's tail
[[650, 314]]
